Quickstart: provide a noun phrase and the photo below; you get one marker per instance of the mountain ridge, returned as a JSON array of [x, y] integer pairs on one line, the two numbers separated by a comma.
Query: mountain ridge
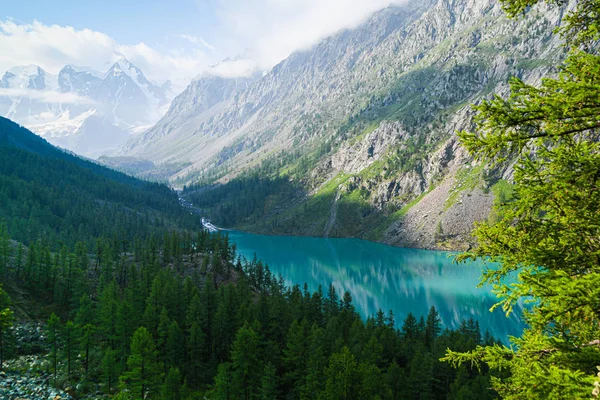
[[418, 67]]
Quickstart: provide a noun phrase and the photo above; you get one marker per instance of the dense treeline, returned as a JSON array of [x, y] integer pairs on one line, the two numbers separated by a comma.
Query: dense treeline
[[179, 316], [243, 200], [45, 192]]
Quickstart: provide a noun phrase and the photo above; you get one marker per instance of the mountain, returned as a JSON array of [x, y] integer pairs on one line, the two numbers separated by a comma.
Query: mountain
[[47, 192], [82, 110], [363, 125]]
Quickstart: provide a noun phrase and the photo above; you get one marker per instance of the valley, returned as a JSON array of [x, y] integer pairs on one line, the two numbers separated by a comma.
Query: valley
[[372, 200], [362, 127]]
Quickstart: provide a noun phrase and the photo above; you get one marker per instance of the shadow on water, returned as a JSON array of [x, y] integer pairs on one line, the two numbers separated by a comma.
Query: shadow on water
[[383, 277]]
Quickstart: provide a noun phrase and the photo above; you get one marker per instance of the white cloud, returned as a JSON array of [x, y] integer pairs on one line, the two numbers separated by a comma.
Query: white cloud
[[53, 46], [273, 29], [276, 28], [45, 96], [197, 40], [233, 68]]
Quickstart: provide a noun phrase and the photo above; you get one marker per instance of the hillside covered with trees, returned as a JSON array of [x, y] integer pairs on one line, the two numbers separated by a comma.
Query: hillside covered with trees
[[134, 305], [51, 194]]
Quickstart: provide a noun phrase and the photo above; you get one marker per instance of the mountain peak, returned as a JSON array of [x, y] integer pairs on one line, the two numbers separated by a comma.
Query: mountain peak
[[123, 67], [70, 70], [28, 70], [28, 77]]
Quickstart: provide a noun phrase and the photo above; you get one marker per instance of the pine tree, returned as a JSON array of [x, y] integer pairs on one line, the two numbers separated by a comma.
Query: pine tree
[[144, 372], [420, 377], [163, 334], [410, 329], [196, 355], [371, 381], [174, 347], [70, 347], [172, 386], [246, 364], [296, 357], [547, 234], [4, 250], [268, 386], [315, 377], [107, 314], [396, 381], [343, 377], [125, 327], [224, 382], [332, 305], [110, 369], [432, 327], [54, 341]]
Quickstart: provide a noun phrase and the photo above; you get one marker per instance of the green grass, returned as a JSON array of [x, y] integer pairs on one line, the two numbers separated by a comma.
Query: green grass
[[503, 191], [467, 179]]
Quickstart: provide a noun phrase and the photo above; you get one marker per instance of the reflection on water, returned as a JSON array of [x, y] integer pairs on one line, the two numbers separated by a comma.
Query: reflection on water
[[383, 277]]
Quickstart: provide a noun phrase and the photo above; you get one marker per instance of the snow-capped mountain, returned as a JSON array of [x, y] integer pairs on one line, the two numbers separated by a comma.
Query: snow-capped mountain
[[88, 112]]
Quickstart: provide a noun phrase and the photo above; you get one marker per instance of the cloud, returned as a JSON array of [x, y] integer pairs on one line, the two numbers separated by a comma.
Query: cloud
[[46, 96], [54, 46], [273, 29], [197, 40], [276, 28], [233, 68]]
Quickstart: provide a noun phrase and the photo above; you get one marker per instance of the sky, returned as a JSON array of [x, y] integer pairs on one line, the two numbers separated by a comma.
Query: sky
[[175, 40]]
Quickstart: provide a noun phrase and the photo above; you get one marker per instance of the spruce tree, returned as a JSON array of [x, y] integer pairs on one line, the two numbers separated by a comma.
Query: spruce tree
[[246, 364], [547, 234], [144, 372], [343, 377]]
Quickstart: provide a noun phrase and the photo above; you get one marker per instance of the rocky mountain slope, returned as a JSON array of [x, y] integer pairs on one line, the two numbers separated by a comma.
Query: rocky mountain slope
[[364, 123], [85, 111]]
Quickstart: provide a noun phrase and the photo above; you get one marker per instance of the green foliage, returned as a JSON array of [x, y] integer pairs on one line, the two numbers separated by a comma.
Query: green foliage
[[249, 338], [546, 232], [6, 322], [47, 192], [172, 385], [54, 340], [246, 364], [144, 372], [342, 376], [242, 200]]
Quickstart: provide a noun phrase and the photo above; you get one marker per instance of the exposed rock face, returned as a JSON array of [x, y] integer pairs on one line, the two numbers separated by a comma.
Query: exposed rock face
[[353, 158], [385, 100]]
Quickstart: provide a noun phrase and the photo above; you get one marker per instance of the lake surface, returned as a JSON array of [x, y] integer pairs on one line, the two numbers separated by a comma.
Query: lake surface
[[383, 277]]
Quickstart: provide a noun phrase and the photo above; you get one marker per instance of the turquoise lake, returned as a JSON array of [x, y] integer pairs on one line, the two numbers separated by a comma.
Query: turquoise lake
[[383, 277]]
